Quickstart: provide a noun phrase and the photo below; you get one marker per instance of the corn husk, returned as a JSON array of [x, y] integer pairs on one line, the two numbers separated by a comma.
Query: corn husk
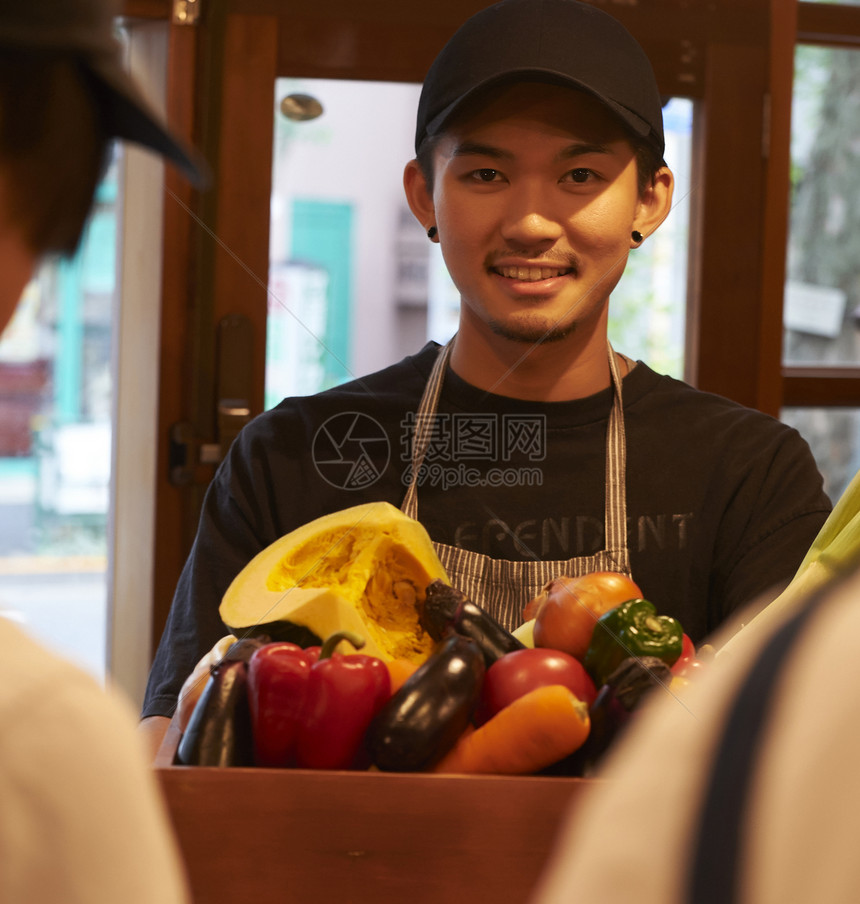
[[834, 551]]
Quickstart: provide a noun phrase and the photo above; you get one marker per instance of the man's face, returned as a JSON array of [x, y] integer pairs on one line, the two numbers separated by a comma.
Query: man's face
[[535, 198]]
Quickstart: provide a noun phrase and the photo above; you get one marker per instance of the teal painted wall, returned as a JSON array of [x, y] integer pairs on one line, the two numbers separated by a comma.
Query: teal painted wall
[[322, 236]]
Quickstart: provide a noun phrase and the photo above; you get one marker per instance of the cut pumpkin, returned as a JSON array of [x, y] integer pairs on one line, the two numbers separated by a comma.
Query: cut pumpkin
[[361, 569]]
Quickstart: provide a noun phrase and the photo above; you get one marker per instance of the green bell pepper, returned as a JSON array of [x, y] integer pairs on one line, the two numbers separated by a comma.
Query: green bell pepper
[[631, 629]]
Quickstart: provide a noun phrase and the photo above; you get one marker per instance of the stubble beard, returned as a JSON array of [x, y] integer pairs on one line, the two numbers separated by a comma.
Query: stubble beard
[[533, 330]]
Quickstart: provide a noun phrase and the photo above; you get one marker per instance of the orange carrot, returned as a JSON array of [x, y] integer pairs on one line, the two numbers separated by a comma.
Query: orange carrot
[[399, 670], [535, 731]]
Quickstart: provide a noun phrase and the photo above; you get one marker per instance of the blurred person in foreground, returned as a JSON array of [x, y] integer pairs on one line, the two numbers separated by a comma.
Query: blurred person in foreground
[[81, 818], [740, 787]]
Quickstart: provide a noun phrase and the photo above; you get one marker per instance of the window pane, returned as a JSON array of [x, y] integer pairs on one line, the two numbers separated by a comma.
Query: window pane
[[648, 307], [348, 262], [355, 284], [822, 298], [833, 435], [55, 446]]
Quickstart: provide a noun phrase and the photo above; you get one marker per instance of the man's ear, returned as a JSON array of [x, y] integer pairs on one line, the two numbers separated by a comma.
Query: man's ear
[[418, 194], [655, 202]]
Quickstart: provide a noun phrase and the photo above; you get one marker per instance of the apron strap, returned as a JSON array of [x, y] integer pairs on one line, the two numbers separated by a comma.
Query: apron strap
[[717, 853], [615, 516], [424, 418], [615, 508]]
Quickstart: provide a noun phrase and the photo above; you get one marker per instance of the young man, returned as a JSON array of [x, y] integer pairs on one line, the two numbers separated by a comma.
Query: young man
[[536, 449], [81, 818]]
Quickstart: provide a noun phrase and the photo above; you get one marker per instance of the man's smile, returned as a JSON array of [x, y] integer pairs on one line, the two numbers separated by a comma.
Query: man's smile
[[531, 274]]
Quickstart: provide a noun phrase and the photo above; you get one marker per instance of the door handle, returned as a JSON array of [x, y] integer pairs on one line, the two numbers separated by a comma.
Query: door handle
[[232, 404], [233, 375]]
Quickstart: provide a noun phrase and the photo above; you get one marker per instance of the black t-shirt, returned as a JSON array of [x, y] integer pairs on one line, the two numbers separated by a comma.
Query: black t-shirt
[[722, 501]]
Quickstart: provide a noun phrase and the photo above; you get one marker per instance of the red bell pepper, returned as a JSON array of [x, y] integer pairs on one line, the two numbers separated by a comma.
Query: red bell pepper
[[688, 655], [344, 692], [277, 681]]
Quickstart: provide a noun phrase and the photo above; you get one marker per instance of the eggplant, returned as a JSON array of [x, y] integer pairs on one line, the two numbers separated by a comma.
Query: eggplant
[[425, 718], [617, 701], [446, 609], [219, 731], [243, 649], [282, 631]]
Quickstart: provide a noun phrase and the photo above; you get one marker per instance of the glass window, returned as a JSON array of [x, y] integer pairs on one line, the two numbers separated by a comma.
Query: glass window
[[822, 297], [55, 445], [834, 437], [821, 311], [354, 283], [647, 311]]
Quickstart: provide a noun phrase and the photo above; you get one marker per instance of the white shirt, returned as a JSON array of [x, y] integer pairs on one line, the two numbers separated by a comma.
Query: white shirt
[[81, 819]]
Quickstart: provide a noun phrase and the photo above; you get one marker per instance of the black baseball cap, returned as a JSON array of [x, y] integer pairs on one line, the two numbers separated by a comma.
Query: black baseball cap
[[558, 41], [83, 30]]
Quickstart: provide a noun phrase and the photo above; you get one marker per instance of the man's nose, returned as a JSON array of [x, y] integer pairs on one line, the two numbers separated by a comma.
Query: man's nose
[[530, 218]]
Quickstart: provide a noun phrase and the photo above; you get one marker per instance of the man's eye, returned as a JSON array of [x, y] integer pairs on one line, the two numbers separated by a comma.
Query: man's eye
[[580, 176], [486, 175]]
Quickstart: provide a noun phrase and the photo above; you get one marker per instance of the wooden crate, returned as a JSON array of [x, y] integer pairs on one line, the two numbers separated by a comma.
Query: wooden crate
[[272, 835]]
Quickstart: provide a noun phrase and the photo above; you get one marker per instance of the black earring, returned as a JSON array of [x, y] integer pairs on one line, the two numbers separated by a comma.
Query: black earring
[[431, 232], [637, 236]]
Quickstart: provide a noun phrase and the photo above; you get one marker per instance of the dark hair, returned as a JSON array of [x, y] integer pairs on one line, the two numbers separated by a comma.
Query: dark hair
[[53, 148], [648, 161], [648, 158]]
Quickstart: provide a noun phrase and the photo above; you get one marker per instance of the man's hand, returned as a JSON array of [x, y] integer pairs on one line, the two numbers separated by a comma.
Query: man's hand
[[153, 729]]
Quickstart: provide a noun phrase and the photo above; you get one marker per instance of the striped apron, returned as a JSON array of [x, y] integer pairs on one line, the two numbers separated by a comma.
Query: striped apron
[[503, 586]]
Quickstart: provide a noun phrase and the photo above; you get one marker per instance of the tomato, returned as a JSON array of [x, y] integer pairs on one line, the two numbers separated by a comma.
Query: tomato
[[690, 669], [688, 654], [516, 673], [570, 607]]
